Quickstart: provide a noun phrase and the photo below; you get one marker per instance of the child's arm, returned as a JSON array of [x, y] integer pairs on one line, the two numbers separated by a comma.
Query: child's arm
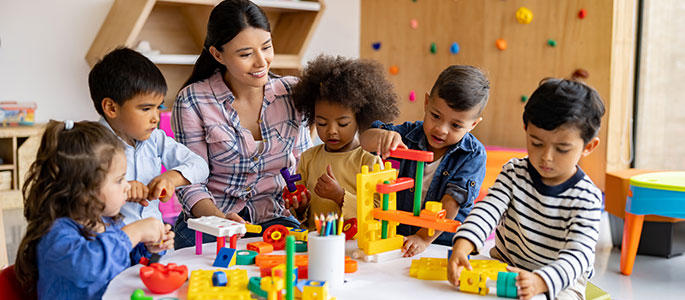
[[578, 254], [381, 141], [419, 241], [163, 186], [184, 167], [459, 260]]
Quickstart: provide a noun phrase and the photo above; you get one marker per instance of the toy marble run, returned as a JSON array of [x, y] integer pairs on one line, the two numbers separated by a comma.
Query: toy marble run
[[378, 240]]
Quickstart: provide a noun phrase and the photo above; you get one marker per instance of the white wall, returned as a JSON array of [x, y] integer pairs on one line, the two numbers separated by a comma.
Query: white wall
[[43, 44]]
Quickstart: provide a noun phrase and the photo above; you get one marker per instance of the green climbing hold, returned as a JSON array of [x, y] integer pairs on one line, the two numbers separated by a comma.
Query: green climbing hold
[[434, 48], [524, 98], [552, 43]]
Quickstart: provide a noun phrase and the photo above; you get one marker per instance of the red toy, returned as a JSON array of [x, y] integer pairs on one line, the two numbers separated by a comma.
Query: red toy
[[411, 154], [297, 194], [350, 228], [275, 235], [161, 279]]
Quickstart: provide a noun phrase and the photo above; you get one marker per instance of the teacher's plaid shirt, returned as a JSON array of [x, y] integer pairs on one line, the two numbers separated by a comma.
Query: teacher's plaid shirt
[[240, 174]]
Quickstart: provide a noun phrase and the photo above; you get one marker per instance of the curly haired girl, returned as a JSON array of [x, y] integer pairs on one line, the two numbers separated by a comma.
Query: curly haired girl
[[340, 96], [75, 242]]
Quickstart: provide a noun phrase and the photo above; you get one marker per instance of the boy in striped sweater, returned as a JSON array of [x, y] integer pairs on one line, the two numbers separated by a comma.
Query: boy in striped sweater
[[545, 209]]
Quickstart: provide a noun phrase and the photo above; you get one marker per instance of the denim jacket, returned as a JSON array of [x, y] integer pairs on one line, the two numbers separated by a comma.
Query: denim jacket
[[459, 174]]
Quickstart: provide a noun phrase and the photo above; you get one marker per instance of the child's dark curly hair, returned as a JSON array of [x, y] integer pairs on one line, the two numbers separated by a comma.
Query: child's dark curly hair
[[358, 84]]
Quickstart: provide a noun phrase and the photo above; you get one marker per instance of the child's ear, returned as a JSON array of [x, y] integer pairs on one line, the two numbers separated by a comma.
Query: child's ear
[[475, 123], [590, 146], [216, 54], [425, 103], [110, 108]]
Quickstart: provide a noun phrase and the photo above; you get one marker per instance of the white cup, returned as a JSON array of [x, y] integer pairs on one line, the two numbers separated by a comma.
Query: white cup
[[327, 258]]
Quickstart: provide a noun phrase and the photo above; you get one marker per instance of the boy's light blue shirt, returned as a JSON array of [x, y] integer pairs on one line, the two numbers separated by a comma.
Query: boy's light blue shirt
[[144, 162]]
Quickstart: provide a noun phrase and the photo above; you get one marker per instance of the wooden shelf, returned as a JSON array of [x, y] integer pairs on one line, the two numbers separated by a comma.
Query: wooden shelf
[[266, 5], [6, 167]]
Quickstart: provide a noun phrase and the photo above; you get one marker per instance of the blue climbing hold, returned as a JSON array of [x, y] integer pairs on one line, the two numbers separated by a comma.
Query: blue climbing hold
[[454, 48], [376, 46]]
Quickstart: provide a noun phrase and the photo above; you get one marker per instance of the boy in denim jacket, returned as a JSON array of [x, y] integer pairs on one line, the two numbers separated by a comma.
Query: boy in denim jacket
[[452, 109]]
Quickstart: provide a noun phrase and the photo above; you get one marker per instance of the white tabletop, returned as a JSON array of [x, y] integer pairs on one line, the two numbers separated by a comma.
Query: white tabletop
[[388, 280]]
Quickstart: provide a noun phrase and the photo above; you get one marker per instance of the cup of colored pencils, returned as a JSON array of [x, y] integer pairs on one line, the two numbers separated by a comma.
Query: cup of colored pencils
[[326, 248]]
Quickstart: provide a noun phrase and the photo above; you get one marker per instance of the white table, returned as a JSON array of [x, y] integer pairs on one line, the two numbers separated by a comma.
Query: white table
[[388, 280]]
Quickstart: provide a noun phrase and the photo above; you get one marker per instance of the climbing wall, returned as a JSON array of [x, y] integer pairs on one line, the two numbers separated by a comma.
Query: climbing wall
[[555, 39]]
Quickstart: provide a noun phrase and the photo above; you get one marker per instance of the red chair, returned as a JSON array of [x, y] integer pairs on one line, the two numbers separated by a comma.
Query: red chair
[[10, 288]]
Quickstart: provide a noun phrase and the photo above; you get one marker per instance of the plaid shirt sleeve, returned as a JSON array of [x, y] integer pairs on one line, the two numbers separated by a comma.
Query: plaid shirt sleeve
[[189, 130]]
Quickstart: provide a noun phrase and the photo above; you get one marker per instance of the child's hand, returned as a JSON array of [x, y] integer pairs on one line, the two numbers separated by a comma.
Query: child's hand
[[459, 260], [327, 187], [138, 193], [387, 141], [300, 205], [161, 184], [148, 230], [234, 217], [166, 243], [413, 245], [529, 284]]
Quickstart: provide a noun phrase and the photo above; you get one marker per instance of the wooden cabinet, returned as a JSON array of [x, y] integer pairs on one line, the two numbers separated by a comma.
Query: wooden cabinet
[[177, 28], [18, 147]]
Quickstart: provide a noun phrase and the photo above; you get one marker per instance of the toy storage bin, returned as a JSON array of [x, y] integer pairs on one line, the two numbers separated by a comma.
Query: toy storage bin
[[14, 113]]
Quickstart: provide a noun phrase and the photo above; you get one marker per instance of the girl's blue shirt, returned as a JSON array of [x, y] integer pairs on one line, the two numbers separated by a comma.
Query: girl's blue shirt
[[73, 267]]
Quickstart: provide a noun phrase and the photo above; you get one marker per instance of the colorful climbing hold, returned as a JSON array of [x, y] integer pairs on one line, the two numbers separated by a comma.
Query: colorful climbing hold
[[454, 48], [552, 43], [412, 95], [394, 70], [582, 14], [501, 44], [524, 98], [524, 15], [434, 48], [414, 23], [580, 73], [376, 46]]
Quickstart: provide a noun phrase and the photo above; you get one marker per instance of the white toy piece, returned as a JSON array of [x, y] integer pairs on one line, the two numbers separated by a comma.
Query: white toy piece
[[378, 257], [218, 227]]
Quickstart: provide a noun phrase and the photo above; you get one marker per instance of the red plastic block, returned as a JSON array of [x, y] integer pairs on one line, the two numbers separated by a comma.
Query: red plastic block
[[288, 196], [260, 247], [411, 154], [161, 279], [350, 228], [400, 184]]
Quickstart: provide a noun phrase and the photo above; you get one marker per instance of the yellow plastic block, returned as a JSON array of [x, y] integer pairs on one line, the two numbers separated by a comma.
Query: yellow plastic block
[[299, 233], [433, 206], [366, 188], [488, 268], [389, 244], [200, 286], [469, 281], [315, 290], [428, 268], [253, 228], [273, 286]]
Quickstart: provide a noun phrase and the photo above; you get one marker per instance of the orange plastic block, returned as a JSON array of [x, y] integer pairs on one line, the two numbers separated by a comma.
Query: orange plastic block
[[277, 259], [400, 184], [408, 218], [350, 265], [411, 154], [427, 268], [260, 247]]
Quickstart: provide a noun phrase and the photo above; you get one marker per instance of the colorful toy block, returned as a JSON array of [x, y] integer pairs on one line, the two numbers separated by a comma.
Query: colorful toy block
[[273, 287], [427, 268], [300, 246], [476, 280], [506, 284], [469, 282], [299, 233], [378, 257], [255, 286], [435, 221], [225, 258], [275, 235], [399, 184], [315, 290], [139, 294], [219, 279], [260, 247], [245, 257], [350, 228], [202, 287], [163, 279], [218, 227], [411, 154], [252, 228], [290, 179]]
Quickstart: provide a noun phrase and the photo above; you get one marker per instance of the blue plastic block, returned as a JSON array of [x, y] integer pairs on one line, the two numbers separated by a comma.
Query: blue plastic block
[[219, 279], [224, 257]]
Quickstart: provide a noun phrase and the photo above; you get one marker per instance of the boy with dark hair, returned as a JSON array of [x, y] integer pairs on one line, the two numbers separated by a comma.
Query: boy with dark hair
[[127, 91], [452, 109], [545, 209]]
